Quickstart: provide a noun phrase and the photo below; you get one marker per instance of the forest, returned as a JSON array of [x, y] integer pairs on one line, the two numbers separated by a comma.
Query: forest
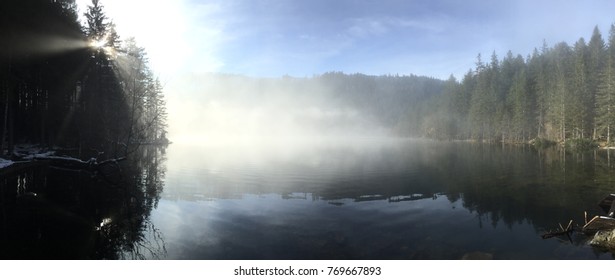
[[560, 94], [75, 100], [557, 93], [74, 86], [332, 104], [79, 86]]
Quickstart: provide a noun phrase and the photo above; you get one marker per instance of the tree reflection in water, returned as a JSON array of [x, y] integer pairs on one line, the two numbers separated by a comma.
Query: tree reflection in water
[[69, 214], [509, 195]]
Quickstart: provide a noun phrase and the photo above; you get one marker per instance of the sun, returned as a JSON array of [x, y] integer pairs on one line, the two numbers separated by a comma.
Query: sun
[[165, 41], [103, 44], [99, 44]]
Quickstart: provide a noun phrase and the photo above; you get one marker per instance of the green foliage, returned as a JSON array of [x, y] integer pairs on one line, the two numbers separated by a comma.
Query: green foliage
[[580, 144], [95, 98], [97, 25], [605, 94], [542, 143], [557, 93]]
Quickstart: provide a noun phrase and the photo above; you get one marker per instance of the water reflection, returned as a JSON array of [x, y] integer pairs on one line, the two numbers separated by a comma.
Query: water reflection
[[378, 199], [385, 199], [79, 214]]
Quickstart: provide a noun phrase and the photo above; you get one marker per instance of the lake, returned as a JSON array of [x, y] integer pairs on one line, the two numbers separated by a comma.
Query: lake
[[360, 199], [378, 199]]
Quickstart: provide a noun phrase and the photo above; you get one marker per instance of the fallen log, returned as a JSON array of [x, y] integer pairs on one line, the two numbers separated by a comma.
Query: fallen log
[[599, 223], [563, 231], [75, 163], [67, 162]]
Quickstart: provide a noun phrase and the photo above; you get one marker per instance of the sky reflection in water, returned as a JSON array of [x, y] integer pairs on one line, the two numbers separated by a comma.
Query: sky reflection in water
[[371, 200]]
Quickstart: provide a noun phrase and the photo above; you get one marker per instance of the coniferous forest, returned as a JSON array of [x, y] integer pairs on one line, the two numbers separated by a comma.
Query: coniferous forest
[[75, 100], [557, 93], [72, 85], [83, 163], [80, 86], [562, 93]]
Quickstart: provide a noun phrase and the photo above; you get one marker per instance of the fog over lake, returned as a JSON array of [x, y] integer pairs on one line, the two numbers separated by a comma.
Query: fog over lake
[[307, 130]]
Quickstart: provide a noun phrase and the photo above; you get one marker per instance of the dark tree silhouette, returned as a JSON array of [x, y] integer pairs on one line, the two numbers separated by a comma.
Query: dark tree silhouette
[[62, 84]]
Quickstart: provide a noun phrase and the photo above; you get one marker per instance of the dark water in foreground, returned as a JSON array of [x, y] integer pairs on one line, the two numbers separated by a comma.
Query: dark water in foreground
[[378, 200], [394, 199]]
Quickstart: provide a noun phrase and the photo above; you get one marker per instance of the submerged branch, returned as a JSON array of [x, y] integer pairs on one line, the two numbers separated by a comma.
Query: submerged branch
[[75, 163], [563, 231]]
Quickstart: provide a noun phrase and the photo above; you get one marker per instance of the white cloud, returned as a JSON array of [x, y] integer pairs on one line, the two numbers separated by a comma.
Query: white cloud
[[374, 26], [366, 27]]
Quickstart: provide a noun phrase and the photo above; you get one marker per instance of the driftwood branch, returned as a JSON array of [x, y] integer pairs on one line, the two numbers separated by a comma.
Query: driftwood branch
[[563, 231], [68, 162]]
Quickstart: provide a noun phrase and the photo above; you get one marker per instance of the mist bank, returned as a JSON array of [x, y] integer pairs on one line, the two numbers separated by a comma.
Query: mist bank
[[223, 107], [562, 93]]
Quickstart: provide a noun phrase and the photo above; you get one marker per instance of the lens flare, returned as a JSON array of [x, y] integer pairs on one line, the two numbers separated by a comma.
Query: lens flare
[[100, 43], [97, 44]]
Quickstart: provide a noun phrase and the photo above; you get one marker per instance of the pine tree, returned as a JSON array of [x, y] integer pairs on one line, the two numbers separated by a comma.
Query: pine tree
[[540, 77], [520, 106], [463, 103], [580, 101], [595, 65], [479, 104], [605, 95], [105, 108], [605, 101], [97, 25], [558, 102]]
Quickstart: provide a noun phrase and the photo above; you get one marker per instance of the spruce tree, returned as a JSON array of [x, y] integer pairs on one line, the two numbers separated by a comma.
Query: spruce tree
[[97, 25], [596, 59], [605, 94]]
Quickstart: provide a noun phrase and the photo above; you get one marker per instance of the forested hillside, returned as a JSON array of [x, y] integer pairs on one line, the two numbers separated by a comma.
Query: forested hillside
[[72, 86], [398, 103], [331, 104], [558, 93], [80, 86]]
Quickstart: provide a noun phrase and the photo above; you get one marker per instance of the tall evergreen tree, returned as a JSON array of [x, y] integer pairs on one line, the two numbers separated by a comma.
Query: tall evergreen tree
[[97, 25], [480, 105], [540, 75], [605, 95], [559, 102], [596, 59], [581, 101], [520, 105]]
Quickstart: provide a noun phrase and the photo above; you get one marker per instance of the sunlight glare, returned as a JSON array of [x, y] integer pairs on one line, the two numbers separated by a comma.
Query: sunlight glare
[[162, 31], [97, 44], [100, 43]]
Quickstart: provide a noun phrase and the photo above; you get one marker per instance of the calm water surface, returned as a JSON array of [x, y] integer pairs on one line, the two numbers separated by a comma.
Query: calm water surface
[[393, 199]]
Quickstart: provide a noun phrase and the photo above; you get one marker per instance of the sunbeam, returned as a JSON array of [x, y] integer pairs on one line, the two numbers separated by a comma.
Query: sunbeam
[[40, 44], [98, 44]]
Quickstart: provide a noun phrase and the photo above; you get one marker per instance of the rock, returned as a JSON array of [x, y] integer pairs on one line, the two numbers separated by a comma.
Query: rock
[[604, 239]]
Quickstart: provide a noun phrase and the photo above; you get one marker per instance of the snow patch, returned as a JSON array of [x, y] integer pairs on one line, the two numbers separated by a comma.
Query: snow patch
[[30, 152], [5, 163]]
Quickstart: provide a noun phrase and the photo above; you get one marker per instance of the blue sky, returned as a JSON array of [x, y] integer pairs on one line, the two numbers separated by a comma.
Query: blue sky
[[305, 37], [186, 39], [434, 38]]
